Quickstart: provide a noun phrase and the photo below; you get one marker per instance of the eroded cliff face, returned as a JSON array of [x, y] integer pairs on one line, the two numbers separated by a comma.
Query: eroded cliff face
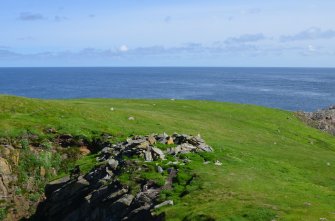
[[29, 161], [13, 205], [323, 119], [126, 183]]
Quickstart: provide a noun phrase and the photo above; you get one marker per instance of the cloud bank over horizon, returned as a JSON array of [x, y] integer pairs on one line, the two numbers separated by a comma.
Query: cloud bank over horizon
[[159, 33]]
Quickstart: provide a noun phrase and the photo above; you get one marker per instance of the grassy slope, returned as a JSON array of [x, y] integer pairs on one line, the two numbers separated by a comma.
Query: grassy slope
[[272, 163]]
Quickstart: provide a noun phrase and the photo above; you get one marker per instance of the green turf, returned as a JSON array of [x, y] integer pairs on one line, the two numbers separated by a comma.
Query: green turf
[[274, 166]]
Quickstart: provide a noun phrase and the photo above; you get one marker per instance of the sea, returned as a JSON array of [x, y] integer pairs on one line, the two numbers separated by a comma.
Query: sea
[[294, 89]]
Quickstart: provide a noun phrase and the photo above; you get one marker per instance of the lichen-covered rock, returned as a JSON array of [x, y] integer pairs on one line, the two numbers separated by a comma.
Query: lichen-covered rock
[[5, 168], [151, 139]]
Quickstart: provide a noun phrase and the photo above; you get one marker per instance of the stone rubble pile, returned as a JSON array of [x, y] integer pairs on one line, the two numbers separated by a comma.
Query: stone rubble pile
[[322, 119], [99, 194], [145, 146]]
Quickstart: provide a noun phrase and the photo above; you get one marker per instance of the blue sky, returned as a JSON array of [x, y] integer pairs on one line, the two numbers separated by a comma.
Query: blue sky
[[167, 33]]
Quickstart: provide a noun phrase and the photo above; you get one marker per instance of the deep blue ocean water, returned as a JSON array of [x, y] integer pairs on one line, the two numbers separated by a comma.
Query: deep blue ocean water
[[286, 88]]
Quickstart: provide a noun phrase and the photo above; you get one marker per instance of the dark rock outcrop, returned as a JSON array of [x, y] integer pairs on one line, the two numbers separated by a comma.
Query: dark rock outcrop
[[322, 119], [93, 199]]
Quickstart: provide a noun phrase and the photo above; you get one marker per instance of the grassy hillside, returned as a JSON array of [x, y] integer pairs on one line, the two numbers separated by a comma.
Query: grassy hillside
[[274, 166]]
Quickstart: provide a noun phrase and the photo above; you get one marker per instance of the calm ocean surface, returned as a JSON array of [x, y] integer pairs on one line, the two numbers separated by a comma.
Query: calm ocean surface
[[286, 88]]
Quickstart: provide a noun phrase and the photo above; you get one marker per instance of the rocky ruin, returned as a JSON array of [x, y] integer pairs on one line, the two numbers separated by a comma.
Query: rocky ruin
[[101, 195], [323, 119]]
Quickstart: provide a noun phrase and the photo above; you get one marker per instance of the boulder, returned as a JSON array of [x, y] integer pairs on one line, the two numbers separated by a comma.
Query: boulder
[[152, 140], [205, 148], [113, 163], [160, 169], [131, 143], [157, 152], [126, 200], [195, 141], [174, 150], [162, 138], [116, 194], [186, 148], [148, 156], [143, 145], [84, 150], [169, 141]]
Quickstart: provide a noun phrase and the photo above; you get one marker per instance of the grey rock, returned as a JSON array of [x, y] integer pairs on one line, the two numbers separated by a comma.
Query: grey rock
[[165, 203], [115, 195], [109, 172], [113, 163], [206, 148], [162, 138], [160, 169], [144, 145], [158, 152], [322, 119], [148, 156], [127, 199], [186, 148], [218, 163]]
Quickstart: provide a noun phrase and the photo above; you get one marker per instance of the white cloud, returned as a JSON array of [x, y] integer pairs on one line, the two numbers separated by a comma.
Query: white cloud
[[252, 48], [123, 48], [311, 48]]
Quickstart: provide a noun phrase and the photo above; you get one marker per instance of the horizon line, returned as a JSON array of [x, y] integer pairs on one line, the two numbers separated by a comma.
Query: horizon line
[[314, 67]]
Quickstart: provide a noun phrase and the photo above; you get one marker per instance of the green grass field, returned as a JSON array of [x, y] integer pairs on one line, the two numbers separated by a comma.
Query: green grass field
[[274, 166]]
